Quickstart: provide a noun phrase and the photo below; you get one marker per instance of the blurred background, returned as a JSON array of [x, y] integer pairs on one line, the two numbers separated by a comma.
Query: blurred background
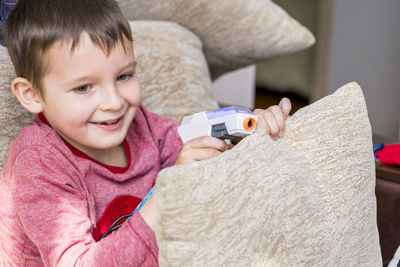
[[357, 40]]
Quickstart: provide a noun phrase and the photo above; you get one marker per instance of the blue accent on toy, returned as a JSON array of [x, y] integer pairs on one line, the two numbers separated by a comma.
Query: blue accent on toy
[[222, 112]]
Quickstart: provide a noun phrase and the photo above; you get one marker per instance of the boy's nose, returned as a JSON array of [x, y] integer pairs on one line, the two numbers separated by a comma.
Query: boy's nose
[[111, 99]]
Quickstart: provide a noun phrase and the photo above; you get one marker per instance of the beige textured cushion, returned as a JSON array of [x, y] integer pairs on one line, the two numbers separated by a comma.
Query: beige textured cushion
[[171, 68], [304, 200], [235, 33]]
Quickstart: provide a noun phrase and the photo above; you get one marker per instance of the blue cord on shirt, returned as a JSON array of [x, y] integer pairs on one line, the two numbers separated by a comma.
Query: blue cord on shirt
[[113, 227]]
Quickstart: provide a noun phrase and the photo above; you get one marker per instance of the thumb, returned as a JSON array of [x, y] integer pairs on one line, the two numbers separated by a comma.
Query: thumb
[[285, 106]]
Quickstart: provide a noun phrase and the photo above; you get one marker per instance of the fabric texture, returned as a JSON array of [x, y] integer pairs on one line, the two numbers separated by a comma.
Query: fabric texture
[[388, 215], [5, 8], [306, 199], [389, 154], [173, 74], [172, 69], [51, 198], [234, 33], [13, 117]]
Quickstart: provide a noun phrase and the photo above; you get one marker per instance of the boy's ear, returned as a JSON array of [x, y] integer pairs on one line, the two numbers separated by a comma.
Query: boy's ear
[[26, 95]]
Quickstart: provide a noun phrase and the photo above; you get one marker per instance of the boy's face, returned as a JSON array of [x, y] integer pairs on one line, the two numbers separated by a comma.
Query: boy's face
[[90, 98]]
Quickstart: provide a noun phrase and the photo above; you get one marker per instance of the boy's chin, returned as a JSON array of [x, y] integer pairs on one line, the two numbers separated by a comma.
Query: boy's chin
[[110, 145]]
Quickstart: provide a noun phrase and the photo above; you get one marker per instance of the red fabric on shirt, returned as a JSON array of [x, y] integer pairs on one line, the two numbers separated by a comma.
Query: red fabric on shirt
[[51, 198], [120, 206], [114, 169]]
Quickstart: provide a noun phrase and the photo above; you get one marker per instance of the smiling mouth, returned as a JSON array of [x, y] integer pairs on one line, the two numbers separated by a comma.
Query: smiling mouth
[[109, 122]]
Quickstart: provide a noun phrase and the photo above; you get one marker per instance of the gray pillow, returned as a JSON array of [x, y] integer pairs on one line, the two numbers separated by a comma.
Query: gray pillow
[[235, 33]]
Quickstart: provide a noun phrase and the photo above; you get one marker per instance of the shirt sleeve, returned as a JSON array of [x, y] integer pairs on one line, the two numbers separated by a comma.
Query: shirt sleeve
[[52, 204], [165, 132]]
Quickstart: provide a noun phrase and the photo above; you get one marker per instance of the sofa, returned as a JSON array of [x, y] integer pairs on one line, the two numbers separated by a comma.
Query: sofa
[[303, 200]]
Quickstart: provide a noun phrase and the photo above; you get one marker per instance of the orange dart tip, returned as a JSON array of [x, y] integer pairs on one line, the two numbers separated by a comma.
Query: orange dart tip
[[249, 123]]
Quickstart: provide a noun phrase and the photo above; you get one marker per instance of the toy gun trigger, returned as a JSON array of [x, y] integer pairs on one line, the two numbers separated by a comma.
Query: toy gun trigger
[[220, 131]]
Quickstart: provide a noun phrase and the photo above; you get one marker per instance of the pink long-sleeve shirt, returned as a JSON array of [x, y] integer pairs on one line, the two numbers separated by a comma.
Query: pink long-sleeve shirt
[[51, 197]]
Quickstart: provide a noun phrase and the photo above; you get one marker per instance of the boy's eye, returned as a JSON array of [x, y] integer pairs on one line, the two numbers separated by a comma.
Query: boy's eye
[[124, 77], [82, 89]]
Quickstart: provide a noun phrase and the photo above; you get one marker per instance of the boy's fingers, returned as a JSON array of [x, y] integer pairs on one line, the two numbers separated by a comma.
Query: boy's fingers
[[261, 121], [201, 148], [206, 153], [280, 119], [273, 118], [286, 107], [208, 142], [278, 115], [271, 122]]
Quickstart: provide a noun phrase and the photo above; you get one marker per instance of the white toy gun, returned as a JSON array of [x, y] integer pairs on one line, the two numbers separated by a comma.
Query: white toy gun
[[231, 122]]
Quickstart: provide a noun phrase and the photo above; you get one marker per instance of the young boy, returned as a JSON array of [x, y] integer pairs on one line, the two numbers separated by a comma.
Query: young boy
[[92, 146]]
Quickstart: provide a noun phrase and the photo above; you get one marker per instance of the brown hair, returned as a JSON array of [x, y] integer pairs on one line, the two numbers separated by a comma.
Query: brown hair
[[34, 25]]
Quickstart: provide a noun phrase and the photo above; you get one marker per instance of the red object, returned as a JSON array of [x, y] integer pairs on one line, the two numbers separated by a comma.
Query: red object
[[389, 154], [118, 207]]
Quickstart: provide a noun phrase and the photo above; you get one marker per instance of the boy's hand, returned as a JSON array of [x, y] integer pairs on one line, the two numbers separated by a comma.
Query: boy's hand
[[273, 118], [201, 148]]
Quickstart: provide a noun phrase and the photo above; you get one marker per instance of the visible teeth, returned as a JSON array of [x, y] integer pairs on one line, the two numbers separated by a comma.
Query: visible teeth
[[108, 123]]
